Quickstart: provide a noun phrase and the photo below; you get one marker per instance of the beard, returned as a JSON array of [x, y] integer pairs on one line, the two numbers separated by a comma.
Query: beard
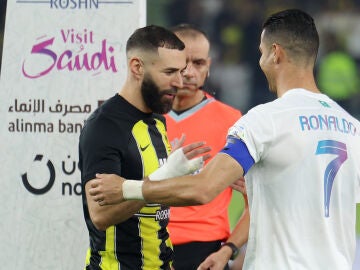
[[154, 97]]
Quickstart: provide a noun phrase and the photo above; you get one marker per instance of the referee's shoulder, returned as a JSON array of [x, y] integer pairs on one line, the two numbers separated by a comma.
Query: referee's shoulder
[[226, 107]]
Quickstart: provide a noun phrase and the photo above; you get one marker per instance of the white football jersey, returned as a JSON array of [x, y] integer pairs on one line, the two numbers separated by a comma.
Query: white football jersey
[[304, 185]]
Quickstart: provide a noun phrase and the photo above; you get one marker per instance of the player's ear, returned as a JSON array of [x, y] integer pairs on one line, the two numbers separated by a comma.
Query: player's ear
[[136, 67], [277, 51]]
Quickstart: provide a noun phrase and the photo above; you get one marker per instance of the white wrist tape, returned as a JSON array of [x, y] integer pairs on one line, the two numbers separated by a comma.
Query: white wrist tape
[[176, 165], [132, 190]]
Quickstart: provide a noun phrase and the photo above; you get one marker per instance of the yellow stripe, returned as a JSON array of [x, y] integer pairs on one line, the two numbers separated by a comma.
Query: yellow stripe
[[161, 127], [87, 259], [150, 210], [149, 157], [109, 260], [150, 244], [110, 239], [147, 226]]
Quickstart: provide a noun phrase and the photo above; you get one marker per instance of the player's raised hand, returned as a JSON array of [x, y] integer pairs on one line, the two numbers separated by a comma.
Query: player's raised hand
[[182, 161], [178, 143], [195, 149]]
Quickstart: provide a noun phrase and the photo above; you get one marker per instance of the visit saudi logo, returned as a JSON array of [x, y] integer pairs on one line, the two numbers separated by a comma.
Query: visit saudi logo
[[81, 52]]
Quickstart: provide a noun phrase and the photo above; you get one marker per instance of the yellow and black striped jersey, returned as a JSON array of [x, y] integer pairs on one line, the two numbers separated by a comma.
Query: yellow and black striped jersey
[[118, 138]]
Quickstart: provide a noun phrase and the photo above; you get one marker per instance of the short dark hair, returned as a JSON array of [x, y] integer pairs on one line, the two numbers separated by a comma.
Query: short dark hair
[[294, 30], [152, 37], [188, 30]]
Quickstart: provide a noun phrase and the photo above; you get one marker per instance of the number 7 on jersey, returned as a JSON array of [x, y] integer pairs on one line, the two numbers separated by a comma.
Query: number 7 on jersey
[[335, 148]]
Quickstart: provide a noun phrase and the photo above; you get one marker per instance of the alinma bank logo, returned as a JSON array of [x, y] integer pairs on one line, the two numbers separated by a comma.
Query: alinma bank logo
[[41, 177], [50, 183]]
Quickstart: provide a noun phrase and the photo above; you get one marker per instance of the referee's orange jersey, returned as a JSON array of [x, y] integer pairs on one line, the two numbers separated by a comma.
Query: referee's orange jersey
[[208, 121]]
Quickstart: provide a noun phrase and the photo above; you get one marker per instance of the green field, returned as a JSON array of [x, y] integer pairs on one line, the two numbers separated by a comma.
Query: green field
[[236, 208]]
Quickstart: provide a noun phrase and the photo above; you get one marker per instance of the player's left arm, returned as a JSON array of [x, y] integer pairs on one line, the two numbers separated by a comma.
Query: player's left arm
[[201, 188], [223, 170], [238, 237]]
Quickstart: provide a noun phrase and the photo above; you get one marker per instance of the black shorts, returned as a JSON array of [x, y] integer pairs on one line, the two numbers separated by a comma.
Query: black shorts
[[190, 255]]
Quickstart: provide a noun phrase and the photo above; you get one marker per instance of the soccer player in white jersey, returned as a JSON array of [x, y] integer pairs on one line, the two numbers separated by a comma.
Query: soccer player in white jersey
[[301, 158]]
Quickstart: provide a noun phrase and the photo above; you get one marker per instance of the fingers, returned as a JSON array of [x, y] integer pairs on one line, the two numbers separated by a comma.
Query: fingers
[[98, 197], [106, 189], [239, 185], [94, 184], [204, 265], [240, 182], [238, 188], [235, 185], [194, 149], [178, 143], [192, 146], [182, 140], [94, 191], [197, 152], [102, 203], [206, 157]]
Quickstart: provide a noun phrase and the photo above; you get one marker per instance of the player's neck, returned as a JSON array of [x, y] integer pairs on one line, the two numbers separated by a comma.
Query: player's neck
[[298, 79], [131, 93]]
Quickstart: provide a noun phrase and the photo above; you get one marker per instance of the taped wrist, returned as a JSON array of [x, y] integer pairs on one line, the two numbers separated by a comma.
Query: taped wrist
[[132, 190], [176, 165]]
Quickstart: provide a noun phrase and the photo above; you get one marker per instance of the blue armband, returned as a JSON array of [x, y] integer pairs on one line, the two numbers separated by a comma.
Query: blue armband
[[237, 149]]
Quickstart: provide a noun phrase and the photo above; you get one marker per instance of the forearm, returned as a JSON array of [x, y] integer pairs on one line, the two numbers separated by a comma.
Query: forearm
[[239, 235], [178, 191], [201, 188], [106, 216]]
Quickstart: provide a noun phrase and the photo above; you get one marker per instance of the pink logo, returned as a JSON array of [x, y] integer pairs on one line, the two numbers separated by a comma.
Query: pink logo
[[102, 59]]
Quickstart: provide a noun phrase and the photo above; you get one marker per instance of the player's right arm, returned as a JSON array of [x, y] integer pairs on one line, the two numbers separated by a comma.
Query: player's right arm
[[105, 216], [182, 161]]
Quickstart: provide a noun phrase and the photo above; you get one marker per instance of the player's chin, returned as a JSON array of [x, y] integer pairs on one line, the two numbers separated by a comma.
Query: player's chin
[[166, 105]]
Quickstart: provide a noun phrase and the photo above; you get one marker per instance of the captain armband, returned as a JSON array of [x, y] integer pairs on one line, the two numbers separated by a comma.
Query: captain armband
[[237, 149]]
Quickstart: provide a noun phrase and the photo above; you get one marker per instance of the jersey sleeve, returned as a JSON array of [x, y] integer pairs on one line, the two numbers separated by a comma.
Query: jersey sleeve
[[97, 152], [255, 131]]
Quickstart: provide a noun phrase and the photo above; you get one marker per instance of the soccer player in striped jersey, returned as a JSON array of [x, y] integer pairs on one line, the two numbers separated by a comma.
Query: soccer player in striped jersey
[[127, 136]]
